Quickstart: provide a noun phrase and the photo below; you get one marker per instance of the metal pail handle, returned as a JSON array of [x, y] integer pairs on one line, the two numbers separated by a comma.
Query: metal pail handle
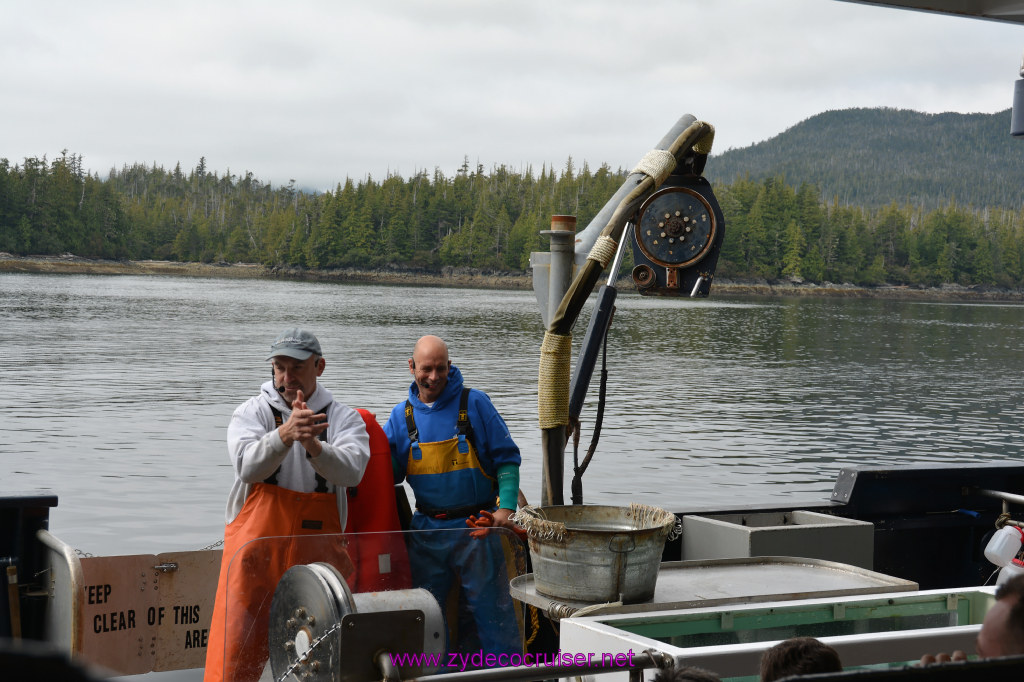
[[618, 544]]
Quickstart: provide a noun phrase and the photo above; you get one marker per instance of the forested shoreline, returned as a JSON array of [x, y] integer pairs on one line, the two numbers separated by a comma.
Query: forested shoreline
[[484, 219], [474, 278]]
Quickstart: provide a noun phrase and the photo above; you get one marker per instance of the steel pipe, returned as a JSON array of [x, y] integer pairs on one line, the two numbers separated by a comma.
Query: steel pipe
[[1005, 497]]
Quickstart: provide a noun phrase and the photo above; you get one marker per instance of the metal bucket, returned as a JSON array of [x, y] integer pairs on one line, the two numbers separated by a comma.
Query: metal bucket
[[595, 554]]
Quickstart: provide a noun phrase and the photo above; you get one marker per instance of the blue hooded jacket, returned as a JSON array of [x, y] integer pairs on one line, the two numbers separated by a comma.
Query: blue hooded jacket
[[439, 422]]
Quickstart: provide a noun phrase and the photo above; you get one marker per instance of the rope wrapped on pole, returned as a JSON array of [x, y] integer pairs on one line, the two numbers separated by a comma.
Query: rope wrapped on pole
[[553, 380], [603, 251], [657, 164]]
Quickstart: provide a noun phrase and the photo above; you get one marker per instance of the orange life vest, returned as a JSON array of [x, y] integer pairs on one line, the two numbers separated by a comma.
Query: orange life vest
[[382, 562]]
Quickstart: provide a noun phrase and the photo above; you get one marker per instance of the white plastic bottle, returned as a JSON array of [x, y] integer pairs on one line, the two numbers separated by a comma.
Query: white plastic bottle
[[1004, 545], [1014, 568]]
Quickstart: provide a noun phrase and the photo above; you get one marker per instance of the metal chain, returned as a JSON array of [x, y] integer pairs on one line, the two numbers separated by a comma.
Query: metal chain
[[312, 645], [86, 555]]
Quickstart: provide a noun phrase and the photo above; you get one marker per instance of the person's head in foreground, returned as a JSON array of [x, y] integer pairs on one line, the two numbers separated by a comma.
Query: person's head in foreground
[[799, 656]]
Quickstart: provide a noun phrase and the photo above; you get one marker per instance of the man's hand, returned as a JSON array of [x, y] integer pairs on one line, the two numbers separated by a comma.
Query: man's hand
[[929, 659], [501, 517], [303, 426], [487, 520]]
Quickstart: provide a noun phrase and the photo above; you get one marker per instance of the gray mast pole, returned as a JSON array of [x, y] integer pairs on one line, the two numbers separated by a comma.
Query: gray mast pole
[[552, 275], [553, 270]]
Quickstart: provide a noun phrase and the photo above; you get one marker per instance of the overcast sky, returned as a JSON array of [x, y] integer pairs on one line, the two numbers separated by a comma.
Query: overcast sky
[[317, 91]]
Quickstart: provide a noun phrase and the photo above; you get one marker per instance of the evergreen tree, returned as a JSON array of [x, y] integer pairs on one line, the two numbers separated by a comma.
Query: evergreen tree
[[793, 250]]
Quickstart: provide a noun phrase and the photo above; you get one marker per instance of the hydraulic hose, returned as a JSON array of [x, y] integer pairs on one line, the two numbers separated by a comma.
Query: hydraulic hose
[[688, 142]]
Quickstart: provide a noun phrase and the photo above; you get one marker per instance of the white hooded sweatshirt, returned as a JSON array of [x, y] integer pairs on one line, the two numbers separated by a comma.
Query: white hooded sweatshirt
[[256, 448]]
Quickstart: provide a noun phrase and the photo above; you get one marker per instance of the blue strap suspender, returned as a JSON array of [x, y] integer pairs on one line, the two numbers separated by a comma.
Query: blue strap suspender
[[465, 428]]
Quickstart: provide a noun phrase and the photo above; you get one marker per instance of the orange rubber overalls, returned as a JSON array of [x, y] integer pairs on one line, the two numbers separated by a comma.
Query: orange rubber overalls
[[275, 530]]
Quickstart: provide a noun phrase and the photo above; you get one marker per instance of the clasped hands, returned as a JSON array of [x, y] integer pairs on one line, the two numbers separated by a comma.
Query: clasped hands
[[304, 426]]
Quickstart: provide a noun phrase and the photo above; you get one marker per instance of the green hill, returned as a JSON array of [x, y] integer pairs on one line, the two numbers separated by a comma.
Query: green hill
[[874, 157]]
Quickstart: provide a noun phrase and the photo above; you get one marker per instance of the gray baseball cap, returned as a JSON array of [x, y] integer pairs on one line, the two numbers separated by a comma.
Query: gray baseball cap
[[295, 343]]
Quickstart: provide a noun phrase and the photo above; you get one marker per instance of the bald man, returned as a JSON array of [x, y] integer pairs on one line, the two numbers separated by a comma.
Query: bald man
[[454, 449]]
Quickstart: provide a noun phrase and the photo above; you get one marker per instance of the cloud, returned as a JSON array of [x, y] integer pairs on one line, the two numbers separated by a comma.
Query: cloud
[[318, 91]]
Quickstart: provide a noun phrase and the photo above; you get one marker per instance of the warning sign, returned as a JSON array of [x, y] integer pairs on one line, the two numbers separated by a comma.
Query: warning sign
[[147, 612]]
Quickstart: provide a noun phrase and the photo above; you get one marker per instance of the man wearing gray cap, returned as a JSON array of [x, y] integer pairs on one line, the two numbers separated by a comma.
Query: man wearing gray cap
[[294, 450]]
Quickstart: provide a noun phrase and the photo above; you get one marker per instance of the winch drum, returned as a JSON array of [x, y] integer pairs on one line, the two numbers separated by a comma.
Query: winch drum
[[312, 601]]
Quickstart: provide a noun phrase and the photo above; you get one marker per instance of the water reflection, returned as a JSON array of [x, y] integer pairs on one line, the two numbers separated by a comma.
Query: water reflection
[[124, 386]]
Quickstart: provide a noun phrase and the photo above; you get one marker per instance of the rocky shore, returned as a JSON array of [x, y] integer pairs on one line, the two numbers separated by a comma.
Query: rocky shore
[[470, 278]]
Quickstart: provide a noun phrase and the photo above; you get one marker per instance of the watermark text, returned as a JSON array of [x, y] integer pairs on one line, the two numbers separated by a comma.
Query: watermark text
[[480, 659]]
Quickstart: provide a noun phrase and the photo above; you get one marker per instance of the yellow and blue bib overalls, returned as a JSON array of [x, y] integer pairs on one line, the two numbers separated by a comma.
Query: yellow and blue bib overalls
[[450, 485]]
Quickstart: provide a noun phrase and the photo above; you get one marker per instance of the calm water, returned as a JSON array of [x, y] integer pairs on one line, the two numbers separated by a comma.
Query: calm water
[[120, 389]]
